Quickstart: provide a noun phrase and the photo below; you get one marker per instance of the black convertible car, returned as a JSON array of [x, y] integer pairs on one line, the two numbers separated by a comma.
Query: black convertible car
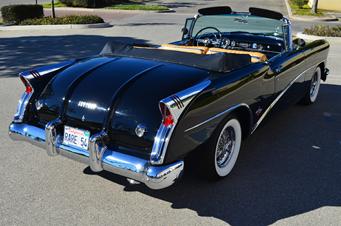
[[137, 111]]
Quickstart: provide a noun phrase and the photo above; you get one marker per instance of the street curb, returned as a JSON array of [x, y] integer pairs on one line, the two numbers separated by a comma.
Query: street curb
[[308, 18], [54, 27], [314, 37], [104, 10]]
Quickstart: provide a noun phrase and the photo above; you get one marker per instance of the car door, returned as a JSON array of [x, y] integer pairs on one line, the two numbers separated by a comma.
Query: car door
[[288, 69]]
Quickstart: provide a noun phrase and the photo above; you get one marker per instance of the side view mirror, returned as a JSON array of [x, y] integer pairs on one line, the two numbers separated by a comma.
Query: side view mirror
[[301, 42], [184, 30]]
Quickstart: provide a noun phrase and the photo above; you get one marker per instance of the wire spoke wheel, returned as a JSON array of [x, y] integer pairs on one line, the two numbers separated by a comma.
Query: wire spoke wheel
[[227, 147], [315, 85]]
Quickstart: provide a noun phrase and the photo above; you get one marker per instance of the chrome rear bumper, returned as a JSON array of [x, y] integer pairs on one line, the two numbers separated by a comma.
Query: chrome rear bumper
[[98, 157]]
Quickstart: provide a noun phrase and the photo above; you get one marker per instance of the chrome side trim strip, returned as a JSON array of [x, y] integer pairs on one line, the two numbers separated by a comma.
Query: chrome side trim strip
[[176, 104], [155, 177], [218, 115], [279, 97]]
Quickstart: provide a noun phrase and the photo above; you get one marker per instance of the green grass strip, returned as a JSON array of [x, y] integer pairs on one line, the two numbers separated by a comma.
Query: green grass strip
[[138, 7], [304, 11], [56, 4]]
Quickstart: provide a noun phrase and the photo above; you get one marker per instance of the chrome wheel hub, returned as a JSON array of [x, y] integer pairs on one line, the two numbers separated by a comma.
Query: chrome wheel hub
[[225, 146]]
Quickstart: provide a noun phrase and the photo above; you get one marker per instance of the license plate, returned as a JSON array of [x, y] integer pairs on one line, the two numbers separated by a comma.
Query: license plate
[[76, 137]]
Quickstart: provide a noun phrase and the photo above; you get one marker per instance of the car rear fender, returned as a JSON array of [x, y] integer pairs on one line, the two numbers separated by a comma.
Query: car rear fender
[[35, 81]]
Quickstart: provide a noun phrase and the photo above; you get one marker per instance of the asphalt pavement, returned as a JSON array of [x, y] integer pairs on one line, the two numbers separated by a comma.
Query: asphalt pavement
[[288, 173]]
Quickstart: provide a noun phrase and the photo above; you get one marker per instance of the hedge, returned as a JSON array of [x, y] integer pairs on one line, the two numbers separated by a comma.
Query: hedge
[[64, 20], [322, 30], [87, 3], [17, 13]]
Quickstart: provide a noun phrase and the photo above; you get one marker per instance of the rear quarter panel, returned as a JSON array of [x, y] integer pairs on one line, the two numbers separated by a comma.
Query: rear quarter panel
[[249, 85]]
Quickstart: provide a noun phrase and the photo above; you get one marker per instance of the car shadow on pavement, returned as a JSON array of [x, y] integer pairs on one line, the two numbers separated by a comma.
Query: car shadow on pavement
[[23, 53], [291, 165]]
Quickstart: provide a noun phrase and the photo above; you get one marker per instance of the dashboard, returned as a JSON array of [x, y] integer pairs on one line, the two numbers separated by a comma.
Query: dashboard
[[247, 42], [257, 46]]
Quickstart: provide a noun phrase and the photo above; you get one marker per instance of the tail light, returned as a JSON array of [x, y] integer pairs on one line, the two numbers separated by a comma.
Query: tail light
[[21, 109], [29, 88], [167, 117]]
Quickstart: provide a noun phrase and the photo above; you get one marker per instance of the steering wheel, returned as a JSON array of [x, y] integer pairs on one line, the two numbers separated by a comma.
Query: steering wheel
[[217, 41]]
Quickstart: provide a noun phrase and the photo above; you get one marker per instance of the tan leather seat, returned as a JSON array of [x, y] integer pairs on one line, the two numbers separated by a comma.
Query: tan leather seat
[[186, 49], [255, 56]]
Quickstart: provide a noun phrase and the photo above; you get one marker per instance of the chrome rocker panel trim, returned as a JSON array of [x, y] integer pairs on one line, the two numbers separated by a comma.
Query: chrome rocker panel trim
[[99, 157]]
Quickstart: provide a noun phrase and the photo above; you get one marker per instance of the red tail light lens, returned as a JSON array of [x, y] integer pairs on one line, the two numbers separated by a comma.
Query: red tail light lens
[[29, 88], [167, 117]]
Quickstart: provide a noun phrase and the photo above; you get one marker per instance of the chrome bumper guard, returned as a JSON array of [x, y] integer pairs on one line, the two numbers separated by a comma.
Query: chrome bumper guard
[[99, 157]]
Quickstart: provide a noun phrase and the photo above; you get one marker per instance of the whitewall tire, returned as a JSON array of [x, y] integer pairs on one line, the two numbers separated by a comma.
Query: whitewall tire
[[222, 150], [314, 88], [315, 85]]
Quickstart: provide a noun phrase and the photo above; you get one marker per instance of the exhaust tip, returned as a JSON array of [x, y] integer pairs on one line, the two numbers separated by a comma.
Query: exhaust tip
[[131, 181]]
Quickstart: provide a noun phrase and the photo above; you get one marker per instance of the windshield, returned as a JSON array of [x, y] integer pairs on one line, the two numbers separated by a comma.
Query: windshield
[[240, 23]]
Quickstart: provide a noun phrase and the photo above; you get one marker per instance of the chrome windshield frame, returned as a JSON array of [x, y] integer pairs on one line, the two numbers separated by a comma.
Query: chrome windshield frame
[[287, 29]]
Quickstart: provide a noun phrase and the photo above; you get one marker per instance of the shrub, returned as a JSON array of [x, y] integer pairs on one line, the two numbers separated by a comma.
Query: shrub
[[66, 2], [64, 20], [86, 3], [299, 3], [17, 13], [322, 30]]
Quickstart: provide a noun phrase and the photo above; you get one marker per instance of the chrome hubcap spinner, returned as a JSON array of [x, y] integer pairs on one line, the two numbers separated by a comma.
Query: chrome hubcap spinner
[[225, 146]]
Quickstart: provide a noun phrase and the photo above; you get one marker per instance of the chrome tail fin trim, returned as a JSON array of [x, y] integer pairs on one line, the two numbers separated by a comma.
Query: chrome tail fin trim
[[176, 104]]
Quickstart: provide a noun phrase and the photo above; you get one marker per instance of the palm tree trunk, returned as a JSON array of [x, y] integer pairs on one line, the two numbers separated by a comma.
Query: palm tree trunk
[[53, 11], [314, 6]]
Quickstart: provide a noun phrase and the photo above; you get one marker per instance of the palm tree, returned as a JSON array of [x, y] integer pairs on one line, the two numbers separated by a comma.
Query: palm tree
[[314, 6], [53, 11]]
